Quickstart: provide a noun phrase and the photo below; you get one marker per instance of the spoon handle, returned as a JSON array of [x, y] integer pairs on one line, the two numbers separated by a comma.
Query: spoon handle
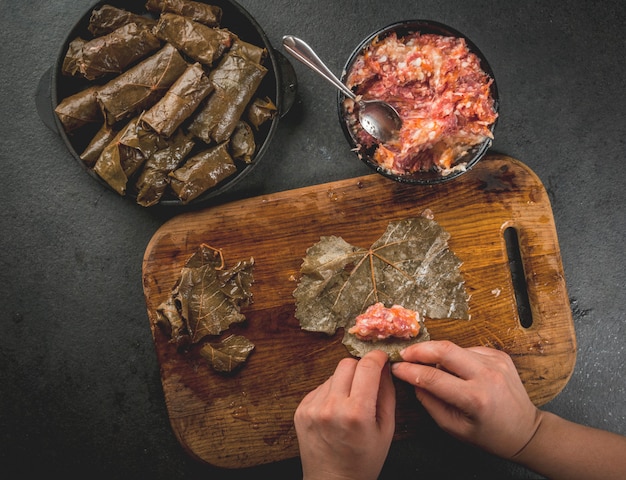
[[303, 52]]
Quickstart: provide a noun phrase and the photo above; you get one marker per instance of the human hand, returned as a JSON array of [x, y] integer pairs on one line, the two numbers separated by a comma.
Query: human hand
[[475, 394], [345, 426]]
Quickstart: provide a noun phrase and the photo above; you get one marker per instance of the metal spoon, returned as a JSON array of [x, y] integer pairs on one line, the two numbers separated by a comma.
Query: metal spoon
[[378, 118]]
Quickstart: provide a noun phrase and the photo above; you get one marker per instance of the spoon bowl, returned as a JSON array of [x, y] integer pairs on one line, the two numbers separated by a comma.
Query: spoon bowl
[[377, 118]]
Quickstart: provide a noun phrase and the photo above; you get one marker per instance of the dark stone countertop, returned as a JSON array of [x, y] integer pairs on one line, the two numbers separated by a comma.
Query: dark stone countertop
[[80, 392]]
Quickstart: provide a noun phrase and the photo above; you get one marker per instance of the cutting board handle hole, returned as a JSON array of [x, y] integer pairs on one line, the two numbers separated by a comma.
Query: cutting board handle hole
[[518, 278]]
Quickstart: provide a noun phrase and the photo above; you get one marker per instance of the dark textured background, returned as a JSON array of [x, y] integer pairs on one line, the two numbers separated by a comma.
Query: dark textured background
[[80, 392]]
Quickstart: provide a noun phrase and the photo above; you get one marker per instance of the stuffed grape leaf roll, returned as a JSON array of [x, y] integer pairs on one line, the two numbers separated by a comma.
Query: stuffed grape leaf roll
[[260, 111], [107, 18], [236, 79], [199, 42], [79, 109], [73, 56], [242, 144], [97, 144], [154, 178], [202, 172], [141, 86], [113, 52], [180, 101], [250, 51], [126, 154], [210, 15]]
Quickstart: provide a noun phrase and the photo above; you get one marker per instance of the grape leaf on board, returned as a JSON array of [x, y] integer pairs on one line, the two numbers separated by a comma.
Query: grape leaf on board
[[409, 265], [207, 298], [229, 354]]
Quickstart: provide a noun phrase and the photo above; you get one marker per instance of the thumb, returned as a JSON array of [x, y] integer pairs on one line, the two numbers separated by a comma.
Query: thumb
[[386, 404]]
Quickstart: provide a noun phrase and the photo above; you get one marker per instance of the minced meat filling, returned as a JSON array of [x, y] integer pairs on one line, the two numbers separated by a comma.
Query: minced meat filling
[[379, 322], [440, 91]]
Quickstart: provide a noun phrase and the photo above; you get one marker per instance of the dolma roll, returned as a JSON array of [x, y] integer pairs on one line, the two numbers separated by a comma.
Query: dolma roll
[[260, 111], [100, 140], [242, 144], [126, 153], [210, 15], [202, 172], [141, 86], [180, 101], [73, 57], [79, 109], [107, 18], [250, 51], [113, 52], [199, 42], [236, 79], [154, 178]]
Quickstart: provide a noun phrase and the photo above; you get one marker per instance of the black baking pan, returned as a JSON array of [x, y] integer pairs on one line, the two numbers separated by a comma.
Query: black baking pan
[[279, 84]]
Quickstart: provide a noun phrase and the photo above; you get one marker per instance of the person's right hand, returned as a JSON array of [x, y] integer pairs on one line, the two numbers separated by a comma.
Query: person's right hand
[[345, 426], [475, 394]]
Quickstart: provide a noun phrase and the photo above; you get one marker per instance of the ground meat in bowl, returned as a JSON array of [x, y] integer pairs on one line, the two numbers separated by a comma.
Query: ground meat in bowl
[[442, 94]]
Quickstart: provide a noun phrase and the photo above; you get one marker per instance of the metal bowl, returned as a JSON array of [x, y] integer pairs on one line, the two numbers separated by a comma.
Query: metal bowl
[[429, 177], [279, 85]]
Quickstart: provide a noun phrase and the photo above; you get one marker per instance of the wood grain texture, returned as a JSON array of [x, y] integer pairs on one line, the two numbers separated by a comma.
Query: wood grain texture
[[246, 419]]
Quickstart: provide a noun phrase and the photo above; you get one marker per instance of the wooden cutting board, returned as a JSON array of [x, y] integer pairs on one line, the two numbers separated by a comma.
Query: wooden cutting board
[[246, 419]]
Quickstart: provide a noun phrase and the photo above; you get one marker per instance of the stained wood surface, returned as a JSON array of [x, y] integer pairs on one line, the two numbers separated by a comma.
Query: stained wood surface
[[246, 419]]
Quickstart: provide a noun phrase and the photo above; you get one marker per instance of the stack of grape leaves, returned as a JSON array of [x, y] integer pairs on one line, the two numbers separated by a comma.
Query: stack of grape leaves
[[409, 265], [204, 303]]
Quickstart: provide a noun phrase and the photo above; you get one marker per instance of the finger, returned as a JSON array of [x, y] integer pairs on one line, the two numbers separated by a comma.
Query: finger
[[320, 391], [446, 387], [366, 382], [448, 418], [341, 381], [386, 406], [486, 351], [454, 359]]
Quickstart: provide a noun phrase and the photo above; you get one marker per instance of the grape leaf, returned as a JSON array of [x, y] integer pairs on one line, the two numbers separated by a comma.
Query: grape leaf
[[207, 297], [409, 265], [228, 354]]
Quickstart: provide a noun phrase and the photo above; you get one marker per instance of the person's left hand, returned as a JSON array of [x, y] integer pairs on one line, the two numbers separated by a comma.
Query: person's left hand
[[345, 426]]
